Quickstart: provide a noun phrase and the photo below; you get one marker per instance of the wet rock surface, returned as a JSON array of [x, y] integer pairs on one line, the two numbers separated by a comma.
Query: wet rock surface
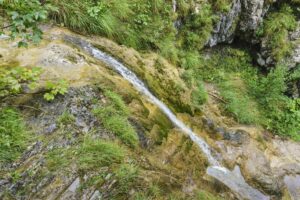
[[236, 182]]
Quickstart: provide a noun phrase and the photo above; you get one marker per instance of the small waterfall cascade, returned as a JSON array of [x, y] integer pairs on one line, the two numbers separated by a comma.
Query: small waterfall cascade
[[232, 179], [140, 86]]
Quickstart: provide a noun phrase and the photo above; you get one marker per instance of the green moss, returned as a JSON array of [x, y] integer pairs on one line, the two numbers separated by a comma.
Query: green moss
[[14, 136]]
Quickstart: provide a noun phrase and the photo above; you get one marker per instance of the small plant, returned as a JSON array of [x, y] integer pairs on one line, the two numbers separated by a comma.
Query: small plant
[[55, 89], [12, 80], [98, 10], [59, 159], [204, 195], [66, 118]]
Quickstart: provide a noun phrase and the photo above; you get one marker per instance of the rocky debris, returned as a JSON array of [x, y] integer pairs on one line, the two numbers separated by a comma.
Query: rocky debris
[[77, 103], [235, 181]]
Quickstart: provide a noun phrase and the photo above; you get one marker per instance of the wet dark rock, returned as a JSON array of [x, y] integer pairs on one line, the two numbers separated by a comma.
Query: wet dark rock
[[236, 137], [220, 131], [209, 124], [140, 130]]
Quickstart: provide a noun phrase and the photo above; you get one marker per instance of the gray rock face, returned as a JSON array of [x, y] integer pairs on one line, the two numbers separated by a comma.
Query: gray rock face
[[244, 17], [225, 28], [295, 38], [252, 14], [235, 181]]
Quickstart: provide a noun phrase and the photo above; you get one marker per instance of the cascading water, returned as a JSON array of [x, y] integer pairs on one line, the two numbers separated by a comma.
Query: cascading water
[[140, 86], [233, 179]]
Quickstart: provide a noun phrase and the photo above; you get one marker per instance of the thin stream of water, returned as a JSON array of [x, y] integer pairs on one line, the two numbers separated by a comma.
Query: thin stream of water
[[140, 86]]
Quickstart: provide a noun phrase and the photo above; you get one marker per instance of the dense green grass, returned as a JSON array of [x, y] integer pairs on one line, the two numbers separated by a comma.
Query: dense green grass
[[95, 153], [251, 98], [114, 118], [14, 136]]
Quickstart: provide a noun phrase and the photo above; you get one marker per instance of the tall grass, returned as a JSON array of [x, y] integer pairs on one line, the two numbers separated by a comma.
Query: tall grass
[[114, 116], [14, 137]]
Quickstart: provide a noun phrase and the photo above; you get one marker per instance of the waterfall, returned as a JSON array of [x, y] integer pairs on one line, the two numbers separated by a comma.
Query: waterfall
[[232, 179], [140, 86]]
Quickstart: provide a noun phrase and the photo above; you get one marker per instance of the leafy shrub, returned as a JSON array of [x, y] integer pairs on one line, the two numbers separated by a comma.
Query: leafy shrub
[[55, 89], [11, 80], [14, 137], [283, 113], [23, 18]]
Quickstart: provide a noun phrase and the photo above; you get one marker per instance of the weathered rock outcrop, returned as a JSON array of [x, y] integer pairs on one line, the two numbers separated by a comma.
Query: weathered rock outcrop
[[244, 17], [225, 28]]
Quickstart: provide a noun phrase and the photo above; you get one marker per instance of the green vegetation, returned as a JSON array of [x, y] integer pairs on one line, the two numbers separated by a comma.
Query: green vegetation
[[12, 79], [14, 136], [114, 118], [55, 88], [249, 96], [276, 32], [126, 175], [59, 159], [96, 153], [21, 18], [66, 118], [204, 195]]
